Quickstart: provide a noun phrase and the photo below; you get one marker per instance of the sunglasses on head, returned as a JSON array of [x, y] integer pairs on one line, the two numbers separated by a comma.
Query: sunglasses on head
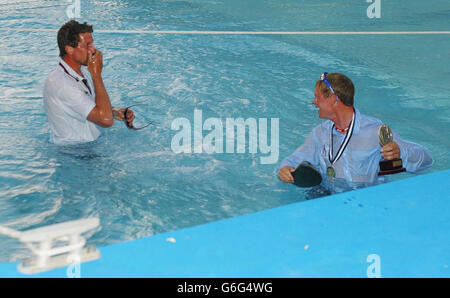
[[323, 78]]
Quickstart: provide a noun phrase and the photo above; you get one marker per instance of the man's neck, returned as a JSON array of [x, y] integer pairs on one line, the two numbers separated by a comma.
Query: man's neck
[[343, 118], [74, 65]]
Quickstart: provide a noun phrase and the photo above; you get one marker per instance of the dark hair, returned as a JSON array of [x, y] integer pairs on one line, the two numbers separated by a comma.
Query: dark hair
[[342, 86], [68, 35]]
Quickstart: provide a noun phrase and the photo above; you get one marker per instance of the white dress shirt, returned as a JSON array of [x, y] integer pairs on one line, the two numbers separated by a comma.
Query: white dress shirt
[[359, 164], [67, 103]]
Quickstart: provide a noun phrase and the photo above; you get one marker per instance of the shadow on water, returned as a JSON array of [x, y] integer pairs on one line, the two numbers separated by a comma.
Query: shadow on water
[[317, 192], [82, 151]]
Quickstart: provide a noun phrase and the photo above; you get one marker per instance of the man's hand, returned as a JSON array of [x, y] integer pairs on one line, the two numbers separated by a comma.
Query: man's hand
[[285, 174], [118, 115], [95, 63], [390, 151]]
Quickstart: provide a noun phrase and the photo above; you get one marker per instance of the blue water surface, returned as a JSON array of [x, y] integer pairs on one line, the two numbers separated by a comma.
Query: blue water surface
[[133, 181]]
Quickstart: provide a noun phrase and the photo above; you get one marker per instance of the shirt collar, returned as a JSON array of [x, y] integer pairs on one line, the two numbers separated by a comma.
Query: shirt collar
[[355, 128], [69, 69]]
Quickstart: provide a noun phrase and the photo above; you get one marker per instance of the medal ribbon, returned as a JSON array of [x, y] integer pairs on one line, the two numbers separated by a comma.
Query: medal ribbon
[[344, 143]]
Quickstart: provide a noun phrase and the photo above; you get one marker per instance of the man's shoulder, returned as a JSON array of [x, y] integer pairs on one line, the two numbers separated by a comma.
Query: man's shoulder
[[370, 121], [58, 83], [54, 77], [325, 125], [321, 129], [369, 126]]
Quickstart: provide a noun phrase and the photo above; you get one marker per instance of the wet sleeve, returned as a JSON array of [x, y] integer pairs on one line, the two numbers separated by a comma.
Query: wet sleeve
[[77, 103], [306, 152], [415, 157]]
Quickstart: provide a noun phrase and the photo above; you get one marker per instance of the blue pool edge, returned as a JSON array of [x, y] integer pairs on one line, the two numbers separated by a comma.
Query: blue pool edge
[[397, 229]]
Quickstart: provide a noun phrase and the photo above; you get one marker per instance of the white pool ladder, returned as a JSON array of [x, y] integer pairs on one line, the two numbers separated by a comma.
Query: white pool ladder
[[56, 245]]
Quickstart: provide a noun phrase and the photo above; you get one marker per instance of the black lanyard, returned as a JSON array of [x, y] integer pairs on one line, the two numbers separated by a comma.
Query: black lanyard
[[77, 79], [344, 143]]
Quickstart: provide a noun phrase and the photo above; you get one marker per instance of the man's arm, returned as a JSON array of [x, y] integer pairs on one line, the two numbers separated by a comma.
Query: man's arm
[[102, 113], [415, 157], [118, 114], [306, 152]]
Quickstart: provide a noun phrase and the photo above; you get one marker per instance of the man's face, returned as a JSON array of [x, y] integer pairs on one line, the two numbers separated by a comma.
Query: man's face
[[324, 104], [85, 47]]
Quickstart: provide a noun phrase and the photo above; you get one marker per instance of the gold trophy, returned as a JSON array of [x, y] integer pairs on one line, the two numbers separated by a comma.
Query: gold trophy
[[388, 167]]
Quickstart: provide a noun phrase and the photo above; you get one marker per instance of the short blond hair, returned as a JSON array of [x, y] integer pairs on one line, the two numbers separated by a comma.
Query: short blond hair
[[342, 86]]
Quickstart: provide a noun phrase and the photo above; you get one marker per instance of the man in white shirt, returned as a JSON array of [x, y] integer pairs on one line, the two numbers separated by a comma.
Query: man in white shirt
[[75, 103], [346, 147]]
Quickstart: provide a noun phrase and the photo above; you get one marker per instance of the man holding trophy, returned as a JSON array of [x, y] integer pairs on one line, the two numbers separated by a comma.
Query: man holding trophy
[[349, 146]]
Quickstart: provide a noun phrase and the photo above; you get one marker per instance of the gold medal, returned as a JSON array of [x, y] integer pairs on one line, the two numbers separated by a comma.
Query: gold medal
[[331, 172]]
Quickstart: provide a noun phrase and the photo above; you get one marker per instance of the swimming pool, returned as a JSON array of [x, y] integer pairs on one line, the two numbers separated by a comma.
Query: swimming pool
[[133, 181]]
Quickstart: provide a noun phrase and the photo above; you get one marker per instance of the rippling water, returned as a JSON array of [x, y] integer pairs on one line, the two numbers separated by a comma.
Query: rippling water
[[133, 181]]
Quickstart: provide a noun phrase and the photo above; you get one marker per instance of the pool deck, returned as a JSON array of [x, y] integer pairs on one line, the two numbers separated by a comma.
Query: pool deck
[[406, 224]]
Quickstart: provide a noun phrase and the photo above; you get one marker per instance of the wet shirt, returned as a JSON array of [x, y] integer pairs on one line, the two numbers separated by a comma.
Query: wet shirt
[[358, 165], [67, 103]]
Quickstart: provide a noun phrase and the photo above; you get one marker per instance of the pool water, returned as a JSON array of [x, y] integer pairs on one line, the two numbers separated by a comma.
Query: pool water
[[132, 180]]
